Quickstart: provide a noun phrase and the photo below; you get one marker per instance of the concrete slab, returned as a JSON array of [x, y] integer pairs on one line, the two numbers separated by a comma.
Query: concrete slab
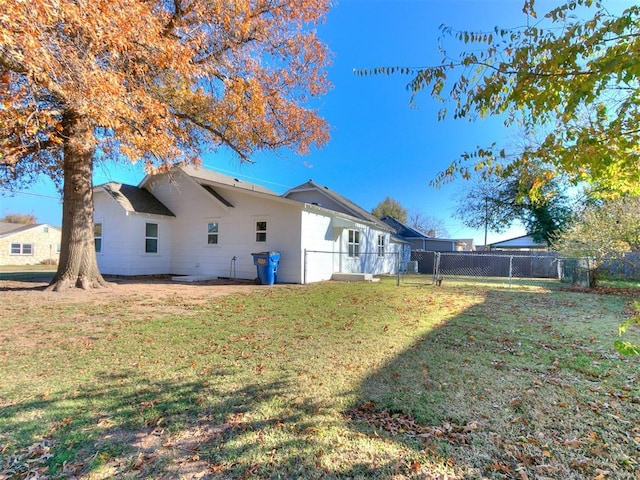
[[192, 278], [354, 277]]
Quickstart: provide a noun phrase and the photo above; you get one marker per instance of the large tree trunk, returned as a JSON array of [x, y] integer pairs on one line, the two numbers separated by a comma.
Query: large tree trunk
[[78, 266]]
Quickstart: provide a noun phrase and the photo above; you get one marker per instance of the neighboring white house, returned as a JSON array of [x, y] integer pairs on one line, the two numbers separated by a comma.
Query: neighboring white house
[[524, 242], [29, 244], [193, 221]]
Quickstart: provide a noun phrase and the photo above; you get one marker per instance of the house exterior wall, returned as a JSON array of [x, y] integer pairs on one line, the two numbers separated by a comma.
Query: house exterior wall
[[45, 241], [369, 261], [123, 240], [194, 208], [327, 249], [320, 242], [294, 229], [434, 245]]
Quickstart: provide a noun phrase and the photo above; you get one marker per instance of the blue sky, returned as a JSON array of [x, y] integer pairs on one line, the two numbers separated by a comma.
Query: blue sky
[[380, 145]]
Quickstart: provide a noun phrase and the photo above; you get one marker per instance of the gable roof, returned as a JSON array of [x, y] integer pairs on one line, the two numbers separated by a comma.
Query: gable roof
[[352, 208], [7, 229], [201, 174], [135, 200], [524, 241], [209, 179], [402, 229]]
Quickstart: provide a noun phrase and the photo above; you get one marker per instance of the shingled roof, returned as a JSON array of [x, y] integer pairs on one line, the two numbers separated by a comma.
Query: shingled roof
[[352, 208], [208, 176], [402, 229], [8, 228], [136, 200]]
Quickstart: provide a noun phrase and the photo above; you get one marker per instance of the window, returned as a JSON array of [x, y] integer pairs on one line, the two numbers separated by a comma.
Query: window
[[97, 237], [45, 229], [354, 243], [151, 238], [21, 249], [261, 231], [381, 245], [212, 233]]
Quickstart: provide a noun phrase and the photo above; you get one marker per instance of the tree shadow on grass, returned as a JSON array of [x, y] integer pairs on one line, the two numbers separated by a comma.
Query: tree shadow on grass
[[150, 429], [494, 393], [170, 429]]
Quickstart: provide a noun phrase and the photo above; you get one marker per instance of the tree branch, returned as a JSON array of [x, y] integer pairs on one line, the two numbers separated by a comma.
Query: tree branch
[[8, 61], [218, 134]]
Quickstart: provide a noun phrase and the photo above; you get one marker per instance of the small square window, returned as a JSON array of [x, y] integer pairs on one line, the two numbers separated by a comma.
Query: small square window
[[16, 249], [97, 237], [261, 231], [212, 233], [151, 245], [151, 238], [354, 243], [381, 245], [151, 230]]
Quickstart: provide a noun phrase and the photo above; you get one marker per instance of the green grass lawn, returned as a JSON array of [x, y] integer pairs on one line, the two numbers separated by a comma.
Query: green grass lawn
[[27, 273], [332, 380]]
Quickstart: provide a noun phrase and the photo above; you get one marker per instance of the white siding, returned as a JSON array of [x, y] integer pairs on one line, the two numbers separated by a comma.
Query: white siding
[[327, 248], [292, 228], [123, 240], [321, 243], [369, 261], [194, 207]]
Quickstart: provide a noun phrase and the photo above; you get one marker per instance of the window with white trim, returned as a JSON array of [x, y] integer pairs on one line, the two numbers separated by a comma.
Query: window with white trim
[[354, 243], [261, 231], [212, 233], [151, 238], [381, 245], [22, 249], [97, 237]]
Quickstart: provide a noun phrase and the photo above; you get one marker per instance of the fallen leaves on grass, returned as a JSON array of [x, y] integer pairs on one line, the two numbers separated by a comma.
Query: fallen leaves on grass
[[405, 424], [31, 464]]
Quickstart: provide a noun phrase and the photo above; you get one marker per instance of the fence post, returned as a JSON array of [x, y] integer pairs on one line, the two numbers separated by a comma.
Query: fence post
[[398, 268], [510, 269], [304, 268]]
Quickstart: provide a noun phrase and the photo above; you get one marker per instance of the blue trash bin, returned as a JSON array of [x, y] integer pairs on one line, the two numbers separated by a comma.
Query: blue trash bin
[[267, 264]]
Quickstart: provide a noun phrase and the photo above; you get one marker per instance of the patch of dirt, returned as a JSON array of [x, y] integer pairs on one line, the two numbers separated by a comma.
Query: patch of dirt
[[126, 288]]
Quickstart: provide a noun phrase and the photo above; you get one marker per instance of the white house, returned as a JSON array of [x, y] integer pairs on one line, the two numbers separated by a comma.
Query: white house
[[524, 242], [193, 221]]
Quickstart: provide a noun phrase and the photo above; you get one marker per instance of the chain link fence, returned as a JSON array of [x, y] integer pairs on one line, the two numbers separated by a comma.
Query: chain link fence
[[505, 267], [578, 271], [426, 267]]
